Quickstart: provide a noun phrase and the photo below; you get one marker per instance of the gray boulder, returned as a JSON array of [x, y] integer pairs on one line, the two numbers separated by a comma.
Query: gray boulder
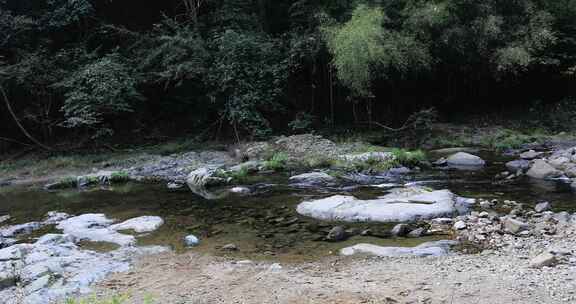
[[416, 233], [313, 178], [530, 155], [513, 226], [204, 177], [542, 170], [518, 165], [465, 159], [541, 207], [336, 234], [543, 260], [400, 230], [434, 249], [4, 218], [401, 205]]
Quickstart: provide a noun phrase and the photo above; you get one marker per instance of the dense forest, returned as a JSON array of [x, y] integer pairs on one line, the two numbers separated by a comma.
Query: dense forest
[[89, 70]]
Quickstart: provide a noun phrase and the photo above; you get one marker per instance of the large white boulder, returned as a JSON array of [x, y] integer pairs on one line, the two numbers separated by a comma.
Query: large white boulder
[[434, 249], [465, 159], [94, 227], [402, 205]]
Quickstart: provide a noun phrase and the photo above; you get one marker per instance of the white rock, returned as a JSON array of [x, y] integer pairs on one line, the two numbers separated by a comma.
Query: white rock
[[368, 156], [94, 227], [439, 248], [4, 218], [240, 190], [191, 240], [465, 159], [542, 170], [415, 204], [460, 225], [140, 224], [543, 260], [530, 155]]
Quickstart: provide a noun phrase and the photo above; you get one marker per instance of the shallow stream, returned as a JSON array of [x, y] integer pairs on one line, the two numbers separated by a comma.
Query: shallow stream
[[265, 225]]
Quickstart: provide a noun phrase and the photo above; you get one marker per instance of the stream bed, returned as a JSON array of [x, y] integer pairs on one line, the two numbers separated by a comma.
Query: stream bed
[[264, 224]]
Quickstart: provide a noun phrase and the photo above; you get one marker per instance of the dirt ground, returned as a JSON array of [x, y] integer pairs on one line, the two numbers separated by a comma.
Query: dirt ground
[[487, 278]]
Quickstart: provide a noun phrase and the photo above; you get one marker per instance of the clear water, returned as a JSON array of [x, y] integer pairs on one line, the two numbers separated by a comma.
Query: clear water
[[264, 226]]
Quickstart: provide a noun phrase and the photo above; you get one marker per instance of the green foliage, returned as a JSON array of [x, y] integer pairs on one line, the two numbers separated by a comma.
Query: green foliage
[[98, 90], [237, 176], [409, 158], [507, 139], [174, 54], [302, 122], [247, 78], [362, 47], [278, 162], [119, 177], [560, 116]]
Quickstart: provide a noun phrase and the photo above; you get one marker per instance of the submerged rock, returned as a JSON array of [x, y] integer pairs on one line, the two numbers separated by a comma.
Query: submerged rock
[[140, 224], [465, 159], [336, 234], [435, 249], [314, 178], [404, 205], [542, 170]]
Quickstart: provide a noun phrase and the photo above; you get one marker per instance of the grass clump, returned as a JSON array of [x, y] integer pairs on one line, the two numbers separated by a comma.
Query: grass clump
[[408, 158], [508, 139], [119, 177], [278, 162]]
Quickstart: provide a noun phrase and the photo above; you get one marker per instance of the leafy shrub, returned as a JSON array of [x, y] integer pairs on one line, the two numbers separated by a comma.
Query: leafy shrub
[[98, 90], [247, 77]]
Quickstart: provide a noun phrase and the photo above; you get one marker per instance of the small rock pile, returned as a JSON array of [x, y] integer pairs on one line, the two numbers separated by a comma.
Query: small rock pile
[[545, 237]]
